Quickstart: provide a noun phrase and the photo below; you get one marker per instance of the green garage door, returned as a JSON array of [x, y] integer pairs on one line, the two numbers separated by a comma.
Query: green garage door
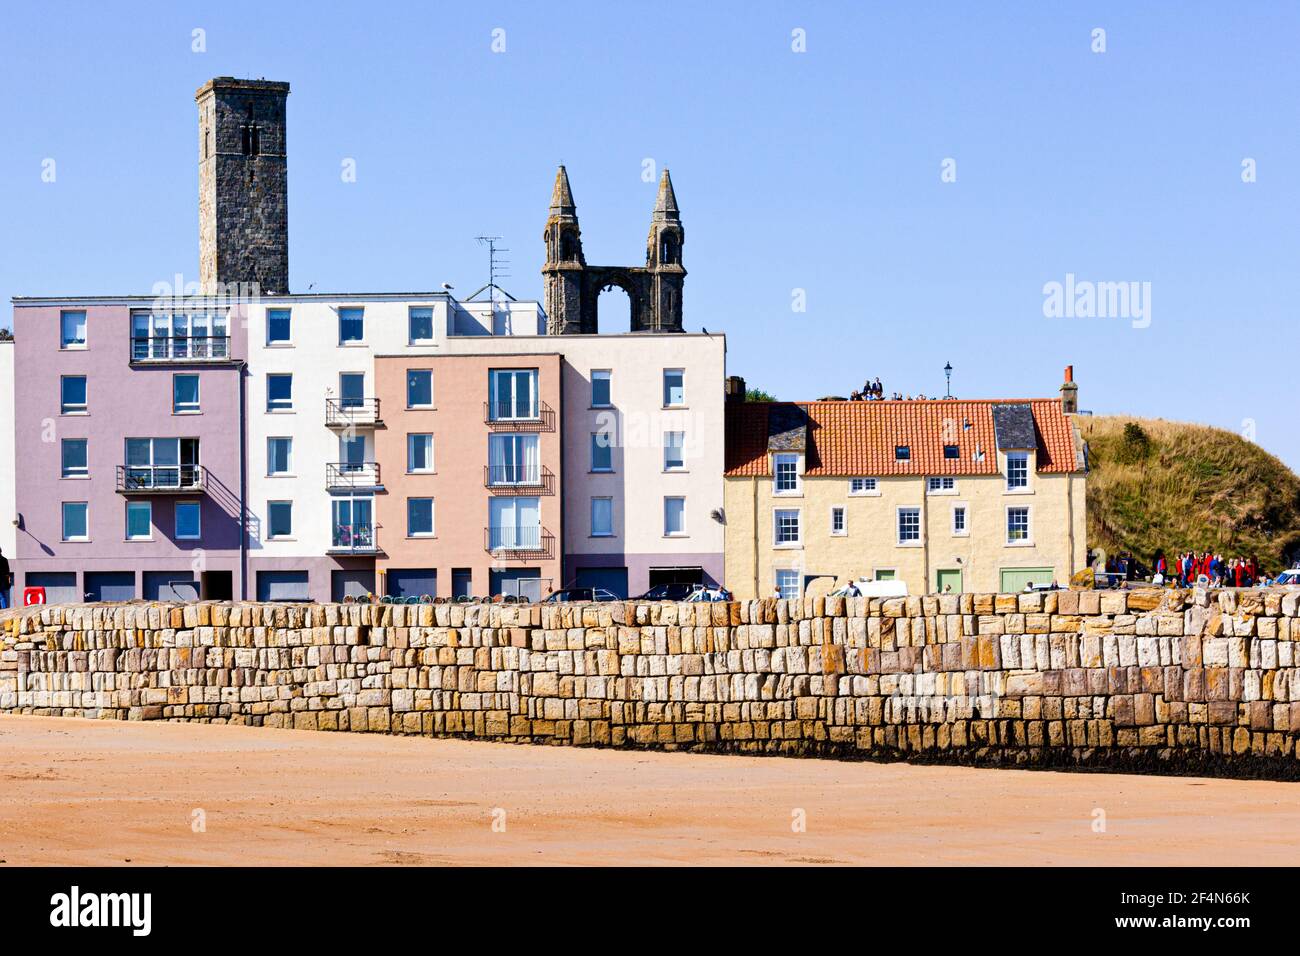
[[949, 579], [1015, 579]]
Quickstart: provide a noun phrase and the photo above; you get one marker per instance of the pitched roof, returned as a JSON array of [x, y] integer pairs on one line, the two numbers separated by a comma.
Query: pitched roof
[[858, 439]]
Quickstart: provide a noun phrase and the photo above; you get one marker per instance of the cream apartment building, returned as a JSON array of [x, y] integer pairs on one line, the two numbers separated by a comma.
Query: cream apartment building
[[945, 495]]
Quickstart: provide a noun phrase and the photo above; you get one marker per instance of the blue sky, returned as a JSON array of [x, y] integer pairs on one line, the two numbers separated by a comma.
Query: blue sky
[[818, 171]]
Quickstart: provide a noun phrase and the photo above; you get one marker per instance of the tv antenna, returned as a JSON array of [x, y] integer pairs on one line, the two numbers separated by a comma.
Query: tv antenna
[[497, 266]]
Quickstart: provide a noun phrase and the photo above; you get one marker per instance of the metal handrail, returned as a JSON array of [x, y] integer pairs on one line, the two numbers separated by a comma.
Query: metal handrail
[[521, 542], [343, 474], [354, 411], [157, 348], [161, 477], [500, 415]]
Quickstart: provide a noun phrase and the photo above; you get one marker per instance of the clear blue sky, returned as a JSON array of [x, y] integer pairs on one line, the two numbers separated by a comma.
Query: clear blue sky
[[817, 171]]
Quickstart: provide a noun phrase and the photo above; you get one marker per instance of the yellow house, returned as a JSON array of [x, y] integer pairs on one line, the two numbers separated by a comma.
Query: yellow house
[[946, 494]]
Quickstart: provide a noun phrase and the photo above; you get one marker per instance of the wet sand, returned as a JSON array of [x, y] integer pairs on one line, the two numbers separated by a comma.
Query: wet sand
[[110, 793]]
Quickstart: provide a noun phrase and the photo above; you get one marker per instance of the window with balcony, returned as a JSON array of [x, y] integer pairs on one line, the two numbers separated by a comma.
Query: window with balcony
[[420, 326], [279, 456], [514, 460], [279, 327], [600, 388], [76, 525], [72, 330], [354, 528], [514, 523], [185, 394], [162, 463], [512, 393], [75, 458], [72, 394], [352, 389], [419, 388], [419, 517], [139, 521], [158, 336], [188, 520], [352, 326], [279, 392], [419, 453]]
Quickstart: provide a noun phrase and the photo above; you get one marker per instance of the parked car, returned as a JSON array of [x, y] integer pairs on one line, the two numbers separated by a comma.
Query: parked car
[[676, 591], [581, 594]]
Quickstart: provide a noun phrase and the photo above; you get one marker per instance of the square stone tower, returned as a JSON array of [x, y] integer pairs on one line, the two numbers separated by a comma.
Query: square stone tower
[[243, 184]]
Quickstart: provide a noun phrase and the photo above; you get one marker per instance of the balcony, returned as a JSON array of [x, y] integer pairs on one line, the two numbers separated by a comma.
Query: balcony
[[353, 539], [352, 413], [350, 475], [179, 348], [520, 543], [519, 480], [509, 416], [161, 479]]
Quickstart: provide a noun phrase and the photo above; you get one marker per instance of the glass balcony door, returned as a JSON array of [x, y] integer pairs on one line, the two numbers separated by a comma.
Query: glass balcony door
[[162, 462], [353, 524], [513, 393], [514, 460], [515, 523]]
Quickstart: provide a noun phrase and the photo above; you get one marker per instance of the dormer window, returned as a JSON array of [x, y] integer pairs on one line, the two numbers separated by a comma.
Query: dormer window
[[785, 474]]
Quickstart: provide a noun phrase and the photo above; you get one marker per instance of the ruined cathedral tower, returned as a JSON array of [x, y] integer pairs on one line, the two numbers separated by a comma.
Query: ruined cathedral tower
[[243, 184], [654, 291]]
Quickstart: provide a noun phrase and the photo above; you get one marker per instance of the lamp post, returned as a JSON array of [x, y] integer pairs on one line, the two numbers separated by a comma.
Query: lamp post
[[947, 371]]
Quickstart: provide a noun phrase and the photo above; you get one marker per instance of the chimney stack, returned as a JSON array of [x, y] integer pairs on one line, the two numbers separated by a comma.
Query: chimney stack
[[735, 389], [1069, 393]]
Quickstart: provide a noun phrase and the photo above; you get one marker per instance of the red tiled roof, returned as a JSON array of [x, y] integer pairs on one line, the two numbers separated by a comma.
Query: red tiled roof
[[857, 439]]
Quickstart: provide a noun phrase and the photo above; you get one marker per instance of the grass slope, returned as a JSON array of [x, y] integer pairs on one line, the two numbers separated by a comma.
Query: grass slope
[[1166, 486]]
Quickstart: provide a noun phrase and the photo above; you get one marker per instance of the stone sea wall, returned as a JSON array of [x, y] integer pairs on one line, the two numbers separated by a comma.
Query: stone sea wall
[[1163, 680]]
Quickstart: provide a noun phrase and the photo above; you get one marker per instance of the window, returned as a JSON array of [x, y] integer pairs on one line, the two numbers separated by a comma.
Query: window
[[863, 486], [674, 457], [951, 451], [157, 335], [139, 520], [354, 527], [937, 486], [351, 326], [279, 392], [600, 391], [1017, 470], [512, 393], [787, 583], [419, 453], [188, 520], [514, 460], [419, 517], [902, 452], [786, 474], [1018, 526], [602, 452], [72, 330], [279, 456], [785, 526], [352, 452], [420, 326], [674, 386], [514, 523], [674, 516], [279, 519], [72, 394], [185, 394], [959, 521], [602, 517], [162, 463], [909, 525], [352, 389], [838, 527], [279, 327], [419, 388], [75, 463], [75, 526]]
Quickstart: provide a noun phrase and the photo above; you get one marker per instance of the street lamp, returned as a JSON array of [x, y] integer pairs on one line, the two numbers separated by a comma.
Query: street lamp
[[947, 371]]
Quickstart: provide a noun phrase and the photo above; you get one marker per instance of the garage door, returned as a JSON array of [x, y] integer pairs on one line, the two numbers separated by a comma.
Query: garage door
[[282, 586], [351, 584], [518, 582], [411, 582], [1015, 579], [60, 586], [110, 585], [170, 586], [611, 579]]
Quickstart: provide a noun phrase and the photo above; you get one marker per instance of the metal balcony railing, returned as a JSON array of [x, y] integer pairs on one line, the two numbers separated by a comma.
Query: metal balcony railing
[[519, 479], [519, 417], [346, 474], [518, 542], [351, 412], [354, 538], [180, 348], [160, 479]]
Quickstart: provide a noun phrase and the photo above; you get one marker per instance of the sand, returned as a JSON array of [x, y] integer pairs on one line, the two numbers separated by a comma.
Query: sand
[[110, 793]]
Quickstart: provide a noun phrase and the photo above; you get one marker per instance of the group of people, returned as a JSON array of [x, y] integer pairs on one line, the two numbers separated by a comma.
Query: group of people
[[1190, 566], [870, 392]]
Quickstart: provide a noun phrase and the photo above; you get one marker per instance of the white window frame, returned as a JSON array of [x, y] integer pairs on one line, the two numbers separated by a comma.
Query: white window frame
[[681, 451], [865, 492], [279, 408], [682, 373], [64, 344], [964, 508], [423, 371], [608, 376], [682, 532], [941, 485], [279, 537], [1021, 489], [63, 521], [176, 523], [916, 542], [279, 343], [288, 472], [844, 521], [410, 325], [797, 490], [84, 471], [352, 343], [126, 515], [529, 410], [198, 394], [592, 514], [64, 407], [410, 457], [1028, 540], [797, 585], [776, 527], [433, 517]]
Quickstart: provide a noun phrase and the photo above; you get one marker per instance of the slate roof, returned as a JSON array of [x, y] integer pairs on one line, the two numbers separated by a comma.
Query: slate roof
[[858, 439]]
